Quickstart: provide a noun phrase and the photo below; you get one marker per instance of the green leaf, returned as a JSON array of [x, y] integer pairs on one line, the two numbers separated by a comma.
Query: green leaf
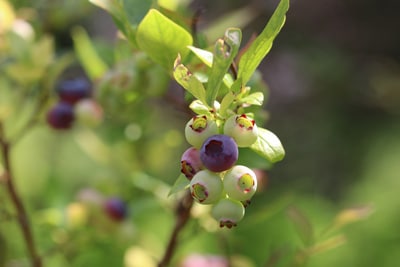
[[87, 54], [225, 51], [162, 39], [226, 102], [199, 108], [268, 146], [302, 224], [189, 81], [180, 184], [256, 98], [136, 10], [262, 44]]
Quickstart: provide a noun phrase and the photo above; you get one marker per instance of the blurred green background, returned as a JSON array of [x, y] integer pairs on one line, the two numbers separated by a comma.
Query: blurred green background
[[333, 79]]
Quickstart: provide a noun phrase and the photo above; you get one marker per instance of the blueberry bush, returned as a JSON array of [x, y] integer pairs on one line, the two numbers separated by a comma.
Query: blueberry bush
[[152, 150]]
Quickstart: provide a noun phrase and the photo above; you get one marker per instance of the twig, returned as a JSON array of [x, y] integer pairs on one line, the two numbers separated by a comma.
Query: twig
[[22, 216], [182, 213]]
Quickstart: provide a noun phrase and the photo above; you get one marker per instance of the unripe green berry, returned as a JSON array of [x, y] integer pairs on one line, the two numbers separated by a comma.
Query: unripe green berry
[[206, 187], [240, 183], [198, 129], [228, 212], [241, 128]]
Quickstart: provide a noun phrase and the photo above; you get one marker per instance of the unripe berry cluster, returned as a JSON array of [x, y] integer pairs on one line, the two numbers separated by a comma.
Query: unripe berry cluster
[[210, 165], [74, 103]]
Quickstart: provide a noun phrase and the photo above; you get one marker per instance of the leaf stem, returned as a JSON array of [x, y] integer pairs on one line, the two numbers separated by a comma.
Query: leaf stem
[[182, 213], [22, 216]]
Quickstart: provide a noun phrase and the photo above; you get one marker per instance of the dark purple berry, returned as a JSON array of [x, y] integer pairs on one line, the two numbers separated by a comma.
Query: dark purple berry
[[190, 162], [219, 153], [115, 208], [61, 116], [73, 90]]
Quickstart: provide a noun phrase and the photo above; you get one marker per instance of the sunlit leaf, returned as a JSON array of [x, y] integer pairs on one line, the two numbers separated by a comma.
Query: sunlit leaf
[[199, 108], [268, 146], [225, 51], [189, 81], [256, 98], [262, 44], [162, 39], [180, 184], [226, 102]]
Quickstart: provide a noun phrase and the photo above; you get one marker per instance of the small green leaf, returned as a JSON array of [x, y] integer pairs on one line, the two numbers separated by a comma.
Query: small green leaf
[[199, 108], [91, 61], [268, 146], [181, 183], [262, 44], [205, 56], [326, 245], [226, 102], [256, 98], [162, 39], [189, 81], [225, 51]]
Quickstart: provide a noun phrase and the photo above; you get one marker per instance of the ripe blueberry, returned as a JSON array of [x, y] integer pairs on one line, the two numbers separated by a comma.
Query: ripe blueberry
[[206, 187], [240, 183], [73, 90], [243, 129], [115, 208], [198, 129], [190, 162], [61, 116], [228, 212], [219, 153]]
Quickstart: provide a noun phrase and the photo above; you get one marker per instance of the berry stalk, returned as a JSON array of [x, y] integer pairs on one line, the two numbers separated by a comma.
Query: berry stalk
[[22, 216]]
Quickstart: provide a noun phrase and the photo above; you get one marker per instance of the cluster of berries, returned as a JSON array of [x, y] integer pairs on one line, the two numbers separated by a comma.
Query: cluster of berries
[[210, 165], [74, 103]]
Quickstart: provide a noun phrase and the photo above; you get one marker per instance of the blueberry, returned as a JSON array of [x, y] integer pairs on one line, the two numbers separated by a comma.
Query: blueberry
[[190, 162], [206, 187], [198, 129], [115, 208], [228, 212], [73, 90], [240, 183], [219, 153], [61, 116], [243, 129]]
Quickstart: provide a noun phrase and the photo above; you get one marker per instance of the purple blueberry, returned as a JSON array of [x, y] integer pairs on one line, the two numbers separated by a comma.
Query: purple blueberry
[[190, 162], [73, 90], [219, 153], [115, 208], [61, 116]]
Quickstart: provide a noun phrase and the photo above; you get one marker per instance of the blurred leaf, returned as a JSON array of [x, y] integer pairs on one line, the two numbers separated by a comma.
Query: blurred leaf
[[87, 54], [350, 215], [262, 44], [268, 146], [180, 184], [136, 9], [189, 81], [302, 224], [225, 51], [3, 251], [256, 98], [162, 39], [326, 245]]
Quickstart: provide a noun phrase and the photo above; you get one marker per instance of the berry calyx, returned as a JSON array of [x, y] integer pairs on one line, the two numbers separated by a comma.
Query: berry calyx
[[228, 212], [190, 162], [219, 153], [73, 90], [198, 129], [243, 129], [206, 187], [115, 208], [61, 116], [240, 183]]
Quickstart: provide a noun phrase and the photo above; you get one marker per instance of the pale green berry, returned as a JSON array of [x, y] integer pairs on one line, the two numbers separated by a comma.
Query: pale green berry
[[241, 128], [206, 187], [228, 212], [198, 129], [240, 183]]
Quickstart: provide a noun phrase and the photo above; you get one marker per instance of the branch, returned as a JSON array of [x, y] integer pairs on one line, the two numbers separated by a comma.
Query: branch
[[22, 216], [182, 213]]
